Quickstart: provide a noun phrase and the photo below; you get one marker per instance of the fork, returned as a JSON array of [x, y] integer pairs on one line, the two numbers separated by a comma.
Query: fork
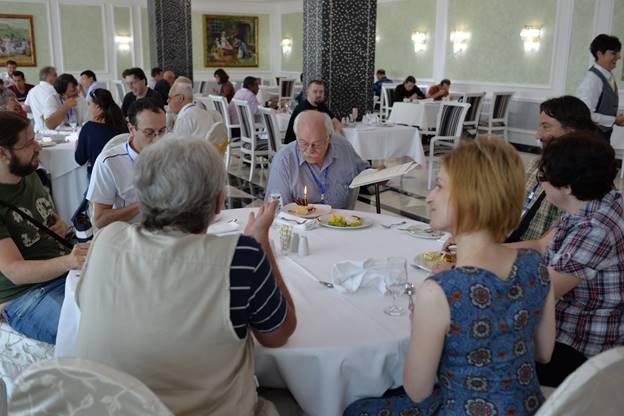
[[387, 227], [295, 221], [326, 284]]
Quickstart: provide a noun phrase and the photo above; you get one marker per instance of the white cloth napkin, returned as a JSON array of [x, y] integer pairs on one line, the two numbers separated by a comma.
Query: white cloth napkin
[[349, 276], [298, 223], [224, 228]]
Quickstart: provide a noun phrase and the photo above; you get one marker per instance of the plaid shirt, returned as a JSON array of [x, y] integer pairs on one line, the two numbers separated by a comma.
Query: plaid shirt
[[590, 245], [546, 215]]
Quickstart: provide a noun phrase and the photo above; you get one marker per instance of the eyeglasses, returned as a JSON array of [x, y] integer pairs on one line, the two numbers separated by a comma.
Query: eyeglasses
[[171, 97], [311, 146], [149, 133], [27, 144]]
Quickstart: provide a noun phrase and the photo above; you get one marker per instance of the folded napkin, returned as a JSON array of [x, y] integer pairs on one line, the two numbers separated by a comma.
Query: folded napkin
[[298, 223], [224, 228], [349, 276]]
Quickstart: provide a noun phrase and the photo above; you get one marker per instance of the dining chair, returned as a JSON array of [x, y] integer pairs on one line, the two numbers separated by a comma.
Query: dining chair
[[456, 96], [387, 99], [475, 99], [120, 88], [448, 131], [287, 89], [595, 388], [496, 117], [221, 105], [272, 132], [197, 87], [251, 151], [74, 385], [217, 135]]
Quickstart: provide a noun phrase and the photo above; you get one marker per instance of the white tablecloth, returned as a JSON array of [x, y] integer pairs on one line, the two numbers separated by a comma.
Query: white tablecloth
[[69, 180], [345, 347], [422, 114], [380, 143], [282, 121]]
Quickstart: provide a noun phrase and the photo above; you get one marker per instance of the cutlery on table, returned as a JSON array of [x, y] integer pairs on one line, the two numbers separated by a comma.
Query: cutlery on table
[[326, 284], [392, 225]]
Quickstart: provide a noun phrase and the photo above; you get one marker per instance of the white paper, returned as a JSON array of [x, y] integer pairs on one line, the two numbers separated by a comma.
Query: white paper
[[369, 176]]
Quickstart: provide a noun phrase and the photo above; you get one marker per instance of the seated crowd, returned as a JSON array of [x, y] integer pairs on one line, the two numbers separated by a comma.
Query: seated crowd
[[537, 289]]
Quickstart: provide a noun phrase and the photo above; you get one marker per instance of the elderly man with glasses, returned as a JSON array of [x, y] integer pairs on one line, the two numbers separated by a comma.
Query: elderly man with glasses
[[111, 189], [323, 163]]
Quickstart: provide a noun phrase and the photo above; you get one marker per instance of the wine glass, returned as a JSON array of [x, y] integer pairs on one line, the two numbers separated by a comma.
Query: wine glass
[[395, 278]]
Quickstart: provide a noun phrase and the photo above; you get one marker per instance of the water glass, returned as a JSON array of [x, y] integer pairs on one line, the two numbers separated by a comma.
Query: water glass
[[395, 278]]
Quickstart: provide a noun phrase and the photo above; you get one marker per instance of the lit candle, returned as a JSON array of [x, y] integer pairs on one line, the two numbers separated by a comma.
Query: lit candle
[[305, 196]]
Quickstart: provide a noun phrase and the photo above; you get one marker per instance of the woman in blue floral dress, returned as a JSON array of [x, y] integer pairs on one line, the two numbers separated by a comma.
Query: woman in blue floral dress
[[478, 328]]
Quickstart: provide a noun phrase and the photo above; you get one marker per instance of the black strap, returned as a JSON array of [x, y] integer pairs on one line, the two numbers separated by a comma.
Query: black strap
[[526, 220], [39, 225]]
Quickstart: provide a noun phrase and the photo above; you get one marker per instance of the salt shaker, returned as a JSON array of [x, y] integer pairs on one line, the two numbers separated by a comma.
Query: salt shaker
[[304, 249], [294, 243]]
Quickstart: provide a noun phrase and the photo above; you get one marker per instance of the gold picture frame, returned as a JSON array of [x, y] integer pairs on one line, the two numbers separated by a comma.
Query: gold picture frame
[[17, 39], [230, 41]]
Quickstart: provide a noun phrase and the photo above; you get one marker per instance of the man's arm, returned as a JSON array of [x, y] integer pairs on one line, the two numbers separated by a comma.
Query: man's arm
[[104, 214], [20, 271], [562, 282], [546, 330], [54, 119]]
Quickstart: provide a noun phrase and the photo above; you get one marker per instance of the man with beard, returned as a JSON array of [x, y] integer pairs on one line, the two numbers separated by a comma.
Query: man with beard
[[33, 265], [315, 100]]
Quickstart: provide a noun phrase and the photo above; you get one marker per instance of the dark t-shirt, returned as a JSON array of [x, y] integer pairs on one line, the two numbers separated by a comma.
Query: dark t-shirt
[[303, 106], [92, 139], [162, 87], [21, 97], [401, 93], [33, 199], [130, 98]]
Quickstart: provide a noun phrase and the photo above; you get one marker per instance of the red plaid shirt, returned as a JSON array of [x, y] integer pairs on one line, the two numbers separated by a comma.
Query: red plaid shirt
[[590, 245]]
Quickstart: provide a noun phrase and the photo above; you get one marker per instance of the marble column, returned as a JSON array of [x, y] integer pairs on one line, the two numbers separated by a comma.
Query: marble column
[[339, 48], [170, 35]]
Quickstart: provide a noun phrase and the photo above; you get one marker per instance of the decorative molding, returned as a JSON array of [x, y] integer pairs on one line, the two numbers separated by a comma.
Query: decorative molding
[[561, 46], [56, 36], [440, 42], [136, 28]]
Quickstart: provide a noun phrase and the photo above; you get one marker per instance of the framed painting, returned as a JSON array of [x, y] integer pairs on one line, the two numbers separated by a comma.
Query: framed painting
[[17, 39], [230, 41]]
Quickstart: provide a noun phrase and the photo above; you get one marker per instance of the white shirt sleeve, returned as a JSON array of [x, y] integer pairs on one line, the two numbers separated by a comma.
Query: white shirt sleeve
[[102, 186], [51, 105], [589, 92], [183, 126]]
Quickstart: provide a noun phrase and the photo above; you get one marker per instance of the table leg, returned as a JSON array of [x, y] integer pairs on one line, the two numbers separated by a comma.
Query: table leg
[[377, 199]]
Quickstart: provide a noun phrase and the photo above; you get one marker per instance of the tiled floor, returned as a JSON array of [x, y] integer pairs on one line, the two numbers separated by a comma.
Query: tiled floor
[[404, 196]]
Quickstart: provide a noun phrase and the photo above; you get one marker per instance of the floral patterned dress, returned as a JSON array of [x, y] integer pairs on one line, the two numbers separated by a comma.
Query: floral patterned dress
[[487, 365]]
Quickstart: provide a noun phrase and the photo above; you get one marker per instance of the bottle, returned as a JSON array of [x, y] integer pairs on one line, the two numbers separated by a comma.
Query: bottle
[[82, 228]]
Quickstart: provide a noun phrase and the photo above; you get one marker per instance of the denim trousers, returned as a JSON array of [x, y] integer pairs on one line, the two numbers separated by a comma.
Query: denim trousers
[[36, 312]]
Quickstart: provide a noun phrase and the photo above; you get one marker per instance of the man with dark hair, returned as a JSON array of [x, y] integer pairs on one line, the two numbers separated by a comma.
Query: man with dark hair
[[598, 90], [37, 97], [164, 85], [65, 106], [439, 91], [381, 79], [584, 252], [156, 75], [20, 88], [89, 83], [137, 84], [7, 76], [251, 86], [408, 90], [315, 100], [111, 189], [33, 265]]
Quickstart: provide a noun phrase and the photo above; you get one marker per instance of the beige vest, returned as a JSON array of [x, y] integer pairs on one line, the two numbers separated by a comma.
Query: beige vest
[[156, 305]]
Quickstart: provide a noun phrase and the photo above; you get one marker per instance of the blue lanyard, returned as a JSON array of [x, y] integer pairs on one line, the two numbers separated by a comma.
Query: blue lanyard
[[321, 186], [529, 199], [128, 151]]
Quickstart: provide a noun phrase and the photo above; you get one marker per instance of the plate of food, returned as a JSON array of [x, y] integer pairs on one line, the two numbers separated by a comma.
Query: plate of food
[[429, 259], [47, 143], [307, 211], [423, 231], [345, 222]]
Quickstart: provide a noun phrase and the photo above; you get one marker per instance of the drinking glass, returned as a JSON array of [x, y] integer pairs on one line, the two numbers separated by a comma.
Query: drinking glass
[[395, 278], [285, 233], [73, 120]]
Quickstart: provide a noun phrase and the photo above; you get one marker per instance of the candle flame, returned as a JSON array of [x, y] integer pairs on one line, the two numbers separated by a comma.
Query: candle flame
[[305, 190]]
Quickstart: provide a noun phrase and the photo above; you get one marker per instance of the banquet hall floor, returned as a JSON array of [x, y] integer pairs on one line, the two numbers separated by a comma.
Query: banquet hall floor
[[403, 196]]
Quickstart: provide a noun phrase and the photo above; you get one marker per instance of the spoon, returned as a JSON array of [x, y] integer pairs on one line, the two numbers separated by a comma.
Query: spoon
[[392, 225], [326, 284]]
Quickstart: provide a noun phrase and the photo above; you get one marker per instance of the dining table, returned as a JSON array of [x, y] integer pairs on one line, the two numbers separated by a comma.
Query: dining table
[[382, 141], [69, 180], [421, 113], [344, 347]]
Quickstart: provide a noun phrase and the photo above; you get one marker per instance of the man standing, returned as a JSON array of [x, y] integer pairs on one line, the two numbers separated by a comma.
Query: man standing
[[192, 120], [38, 96], [111, 189], [89, 82], [381, 79], [598, 90], [315, 100], [7, 76], [164, 85], [137, 84], [65, 105], [251, 86], [32, 264]]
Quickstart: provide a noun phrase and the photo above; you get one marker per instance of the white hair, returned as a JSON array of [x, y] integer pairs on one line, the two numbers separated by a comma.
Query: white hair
[[184, 86], [329, 127]]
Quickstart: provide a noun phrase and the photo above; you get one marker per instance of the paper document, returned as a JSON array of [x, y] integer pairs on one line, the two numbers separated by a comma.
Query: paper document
[[369, 176]]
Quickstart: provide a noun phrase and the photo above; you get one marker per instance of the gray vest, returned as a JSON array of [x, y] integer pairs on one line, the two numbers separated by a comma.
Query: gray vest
[[608, 100]]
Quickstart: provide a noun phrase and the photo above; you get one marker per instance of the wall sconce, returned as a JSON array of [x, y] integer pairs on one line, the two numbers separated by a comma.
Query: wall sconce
[[531, 36], [286, 46], [419, 39], [460, 40], [123, 43], [377, 38]]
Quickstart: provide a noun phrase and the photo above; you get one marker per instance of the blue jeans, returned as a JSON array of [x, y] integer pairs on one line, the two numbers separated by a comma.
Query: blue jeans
[[36, 312]]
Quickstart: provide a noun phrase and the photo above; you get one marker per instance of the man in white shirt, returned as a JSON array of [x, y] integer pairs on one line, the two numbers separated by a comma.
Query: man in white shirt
[[599, 90], [38, 96], [7, 76], [192, 119], [111, 190], [64, 107]]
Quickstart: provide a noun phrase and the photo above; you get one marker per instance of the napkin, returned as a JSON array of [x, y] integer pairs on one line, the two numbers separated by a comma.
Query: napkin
[[298, 223], [349, 276], [224, 228]]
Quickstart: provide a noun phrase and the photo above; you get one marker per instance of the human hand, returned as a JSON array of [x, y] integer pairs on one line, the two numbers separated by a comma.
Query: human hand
[[78, 255], [70, 102], [449, 242], [619, 120], [258, 224], [59, 227]]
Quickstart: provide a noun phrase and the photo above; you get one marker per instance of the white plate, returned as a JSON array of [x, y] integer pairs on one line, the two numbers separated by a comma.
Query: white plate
[[422, 263], [319, 210], [366, 222], [47, 143], [423, 231]]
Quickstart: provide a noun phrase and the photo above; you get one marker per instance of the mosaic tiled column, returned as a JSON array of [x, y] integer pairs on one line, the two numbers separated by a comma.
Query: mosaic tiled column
[[339, 48], [170, 35]]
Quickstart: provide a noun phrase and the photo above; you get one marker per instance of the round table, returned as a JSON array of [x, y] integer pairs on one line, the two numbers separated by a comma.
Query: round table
[[345, 347]]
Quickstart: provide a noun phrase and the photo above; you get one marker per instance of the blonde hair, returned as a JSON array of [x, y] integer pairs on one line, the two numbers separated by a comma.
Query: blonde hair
[[486, 179]]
